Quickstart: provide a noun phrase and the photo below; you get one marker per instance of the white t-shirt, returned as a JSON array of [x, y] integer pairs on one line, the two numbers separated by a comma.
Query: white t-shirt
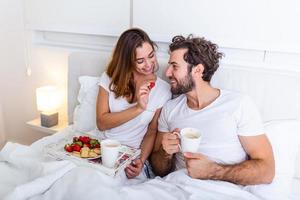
[[132, 132], [220, 123]]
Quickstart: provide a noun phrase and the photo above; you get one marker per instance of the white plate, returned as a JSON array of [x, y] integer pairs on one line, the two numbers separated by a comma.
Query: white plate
[[70, 154], [93, 158]]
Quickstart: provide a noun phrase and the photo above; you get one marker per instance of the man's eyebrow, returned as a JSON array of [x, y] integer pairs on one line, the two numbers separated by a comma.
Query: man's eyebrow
[[173, 63]]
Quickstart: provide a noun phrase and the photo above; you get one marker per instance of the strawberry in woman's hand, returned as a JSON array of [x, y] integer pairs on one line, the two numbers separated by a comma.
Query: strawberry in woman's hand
[[151, 85]]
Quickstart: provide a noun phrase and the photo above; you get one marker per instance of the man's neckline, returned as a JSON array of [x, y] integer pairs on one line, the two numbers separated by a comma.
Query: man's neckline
[[207, 106]]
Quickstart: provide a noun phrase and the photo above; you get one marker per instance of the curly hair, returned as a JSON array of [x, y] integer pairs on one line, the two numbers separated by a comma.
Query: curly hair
[[200, 51]]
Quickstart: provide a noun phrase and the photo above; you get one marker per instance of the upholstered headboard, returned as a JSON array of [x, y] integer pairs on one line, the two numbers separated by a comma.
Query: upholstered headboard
[[274, 91], [82, 63]]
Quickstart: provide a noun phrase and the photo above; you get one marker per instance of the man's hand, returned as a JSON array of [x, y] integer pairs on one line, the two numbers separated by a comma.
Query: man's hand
[[170, 142], [134, 169], [199, 166]]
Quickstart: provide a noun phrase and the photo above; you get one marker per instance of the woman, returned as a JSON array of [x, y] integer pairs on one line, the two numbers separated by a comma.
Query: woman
[[127, 106]]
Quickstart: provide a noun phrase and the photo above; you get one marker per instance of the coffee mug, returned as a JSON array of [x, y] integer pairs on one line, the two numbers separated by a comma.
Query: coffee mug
[[110, 152], [190, 139]]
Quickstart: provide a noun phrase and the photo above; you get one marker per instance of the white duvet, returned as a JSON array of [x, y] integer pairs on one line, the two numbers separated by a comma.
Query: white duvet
[[25, 174]]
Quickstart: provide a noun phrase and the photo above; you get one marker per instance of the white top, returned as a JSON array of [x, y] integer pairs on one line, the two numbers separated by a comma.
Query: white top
[[220, 123], [132, 132]]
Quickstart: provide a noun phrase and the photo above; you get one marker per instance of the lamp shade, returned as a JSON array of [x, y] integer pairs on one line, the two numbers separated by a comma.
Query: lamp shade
[[48, 99]]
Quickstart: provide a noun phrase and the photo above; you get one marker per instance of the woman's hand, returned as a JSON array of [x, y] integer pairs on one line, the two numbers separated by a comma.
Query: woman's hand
[[134, 169], [143, 97]]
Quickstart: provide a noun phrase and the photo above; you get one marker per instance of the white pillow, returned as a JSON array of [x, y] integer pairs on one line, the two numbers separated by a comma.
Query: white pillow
[[84, 118], [284, 136]]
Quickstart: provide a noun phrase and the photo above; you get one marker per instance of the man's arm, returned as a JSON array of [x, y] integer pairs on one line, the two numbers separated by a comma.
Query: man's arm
[[259, 169], [147, 144], [161, 159]]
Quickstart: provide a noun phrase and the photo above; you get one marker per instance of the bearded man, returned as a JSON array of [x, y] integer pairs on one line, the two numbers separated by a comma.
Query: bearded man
[[233, 146]]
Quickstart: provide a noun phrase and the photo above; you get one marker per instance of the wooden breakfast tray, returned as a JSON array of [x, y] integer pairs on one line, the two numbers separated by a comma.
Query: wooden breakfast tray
[[56, 151]]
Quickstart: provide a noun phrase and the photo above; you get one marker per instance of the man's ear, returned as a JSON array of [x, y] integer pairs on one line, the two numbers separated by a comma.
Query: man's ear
[[198, 70]]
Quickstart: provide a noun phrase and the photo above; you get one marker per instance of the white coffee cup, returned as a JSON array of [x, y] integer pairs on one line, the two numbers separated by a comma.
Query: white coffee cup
[[190, 140], [110, 152]]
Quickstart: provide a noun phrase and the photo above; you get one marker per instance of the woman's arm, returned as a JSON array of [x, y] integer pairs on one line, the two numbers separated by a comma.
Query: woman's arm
[[107, 119], [135, 168]]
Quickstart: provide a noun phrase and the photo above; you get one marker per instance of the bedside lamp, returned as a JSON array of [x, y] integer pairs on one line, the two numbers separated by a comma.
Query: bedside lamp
[[48, 101]]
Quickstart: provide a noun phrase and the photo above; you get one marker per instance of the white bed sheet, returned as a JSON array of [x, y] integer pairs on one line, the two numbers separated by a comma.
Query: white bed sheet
[[10, 178], [21, 178], [295, 189], [17, 173]]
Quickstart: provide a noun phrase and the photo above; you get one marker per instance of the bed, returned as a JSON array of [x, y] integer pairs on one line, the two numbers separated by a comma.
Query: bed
[[26, 174]]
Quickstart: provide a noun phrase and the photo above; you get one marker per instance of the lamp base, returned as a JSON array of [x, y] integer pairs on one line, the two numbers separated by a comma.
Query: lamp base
[[49, 120]]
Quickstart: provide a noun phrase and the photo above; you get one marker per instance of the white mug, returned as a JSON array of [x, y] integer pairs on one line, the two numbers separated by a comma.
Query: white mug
[[110, 152], [190, 140]]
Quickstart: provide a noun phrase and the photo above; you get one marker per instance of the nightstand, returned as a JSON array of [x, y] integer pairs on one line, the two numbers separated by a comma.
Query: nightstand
[[36, 124]]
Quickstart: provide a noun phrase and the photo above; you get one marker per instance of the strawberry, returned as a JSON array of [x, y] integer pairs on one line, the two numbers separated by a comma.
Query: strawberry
[[68, 148], [75, 139], [151, 85], [97, 146], [84, 139], [76, 147], [87, 145]]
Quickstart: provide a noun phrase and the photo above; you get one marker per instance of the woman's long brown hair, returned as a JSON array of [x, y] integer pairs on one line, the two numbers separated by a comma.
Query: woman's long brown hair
[[122, 64]]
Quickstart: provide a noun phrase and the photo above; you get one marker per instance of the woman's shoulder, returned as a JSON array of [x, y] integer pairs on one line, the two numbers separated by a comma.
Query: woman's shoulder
[[104, 81], [104, 76]]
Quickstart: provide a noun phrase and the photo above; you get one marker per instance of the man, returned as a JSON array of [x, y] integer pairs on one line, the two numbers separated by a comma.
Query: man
[[234, 147]]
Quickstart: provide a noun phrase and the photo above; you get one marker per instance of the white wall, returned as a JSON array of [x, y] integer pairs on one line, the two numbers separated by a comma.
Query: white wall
[[256, 24], [16, 89], [2, 133], [105, 17]]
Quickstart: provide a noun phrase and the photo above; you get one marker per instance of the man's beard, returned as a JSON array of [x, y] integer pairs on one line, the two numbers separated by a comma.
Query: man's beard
[[184, 85]]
